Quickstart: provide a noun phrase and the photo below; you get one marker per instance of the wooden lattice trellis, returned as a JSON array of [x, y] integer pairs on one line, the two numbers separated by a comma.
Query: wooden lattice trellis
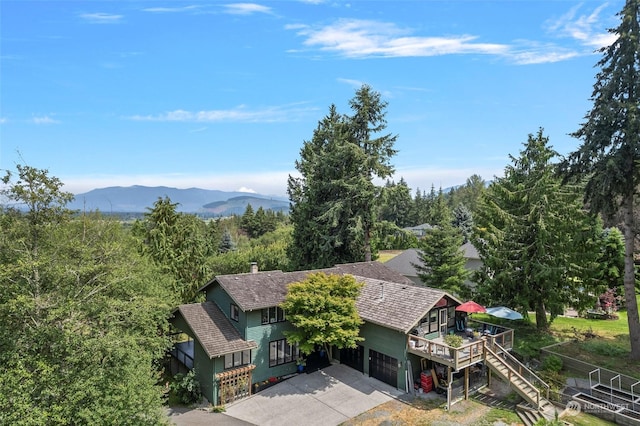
[[234, 384]]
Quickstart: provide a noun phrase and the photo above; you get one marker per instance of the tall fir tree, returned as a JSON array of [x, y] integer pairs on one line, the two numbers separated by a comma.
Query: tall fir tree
[[334, 202], [609, 156], [537, 245]]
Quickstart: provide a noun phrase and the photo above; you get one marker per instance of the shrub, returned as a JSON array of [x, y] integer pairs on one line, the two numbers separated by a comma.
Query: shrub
[[186, 387], [552, 363], [453, 340]]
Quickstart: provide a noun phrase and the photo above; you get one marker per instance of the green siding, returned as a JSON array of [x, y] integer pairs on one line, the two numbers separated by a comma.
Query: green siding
[[262, 335], [201, 361], [218, 296], [388, 342]]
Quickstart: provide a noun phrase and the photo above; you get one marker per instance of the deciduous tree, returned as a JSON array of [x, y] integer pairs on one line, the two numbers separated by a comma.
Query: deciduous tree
[[322, 308]]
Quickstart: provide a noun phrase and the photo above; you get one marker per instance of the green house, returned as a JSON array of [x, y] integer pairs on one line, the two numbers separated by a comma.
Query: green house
[[238, 345]]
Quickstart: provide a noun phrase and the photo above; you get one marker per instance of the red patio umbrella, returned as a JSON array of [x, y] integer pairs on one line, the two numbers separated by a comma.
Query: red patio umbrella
[[470, 307]]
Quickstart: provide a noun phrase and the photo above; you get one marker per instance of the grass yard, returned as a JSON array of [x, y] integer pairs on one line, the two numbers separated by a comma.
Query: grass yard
[[384, 255]]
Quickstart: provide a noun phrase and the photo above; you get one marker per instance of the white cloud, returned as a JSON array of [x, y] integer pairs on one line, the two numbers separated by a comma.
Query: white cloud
[[181, 9], [245, 189], [428, 175], [101, 18], [354, 38], [355, 83], [238, 114], [588, 29], [245, 8], [44, 120]]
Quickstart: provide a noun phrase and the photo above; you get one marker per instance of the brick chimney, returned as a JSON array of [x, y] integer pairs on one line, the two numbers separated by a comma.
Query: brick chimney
[[254, 267]]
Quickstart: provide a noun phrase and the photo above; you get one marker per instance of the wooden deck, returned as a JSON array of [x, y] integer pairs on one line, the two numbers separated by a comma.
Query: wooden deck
[[471, 352]]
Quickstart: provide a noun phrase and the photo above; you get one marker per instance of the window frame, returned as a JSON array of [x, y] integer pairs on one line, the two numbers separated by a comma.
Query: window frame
[[281, 352], [237, 359], [272, 315], [234, 312]]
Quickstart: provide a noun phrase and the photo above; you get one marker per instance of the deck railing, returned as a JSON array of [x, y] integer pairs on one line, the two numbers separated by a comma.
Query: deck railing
[[460, 357]]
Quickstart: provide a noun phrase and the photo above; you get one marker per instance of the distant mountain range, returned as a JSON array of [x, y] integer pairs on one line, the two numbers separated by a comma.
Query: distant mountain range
[[138, 199]]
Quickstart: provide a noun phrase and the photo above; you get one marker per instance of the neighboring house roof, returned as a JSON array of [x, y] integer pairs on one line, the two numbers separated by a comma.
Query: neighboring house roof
[[470, 251], [394, 305], [403, 263], [418, 227], [213, 330], [260, 290]]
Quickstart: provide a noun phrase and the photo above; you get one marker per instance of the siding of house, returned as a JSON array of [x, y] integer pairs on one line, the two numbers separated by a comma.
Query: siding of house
[[387, 341], [263, 334], [201, 362], [218, 296]]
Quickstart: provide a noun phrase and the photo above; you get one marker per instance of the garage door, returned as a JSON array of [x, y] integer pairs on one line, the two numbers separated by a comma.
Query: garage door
[[354, 358], [383, 367]]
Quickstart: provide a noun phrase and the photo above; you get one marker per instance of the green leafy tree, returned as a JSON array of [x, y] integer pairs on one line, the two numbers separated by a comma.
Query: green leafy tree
[[537, 244], [334, 202], [81, 346], [609, 157], [322, 308]]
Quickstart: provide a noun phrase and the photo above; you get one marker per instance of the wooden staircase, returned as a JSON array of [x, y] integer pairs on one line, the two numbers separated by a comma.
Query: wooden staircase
[[536, 405]]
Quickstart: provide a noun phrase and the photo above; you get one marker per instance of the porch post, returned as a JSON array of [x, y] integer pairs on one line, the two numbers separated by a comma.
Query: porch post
[[449, 388], [466, 383]]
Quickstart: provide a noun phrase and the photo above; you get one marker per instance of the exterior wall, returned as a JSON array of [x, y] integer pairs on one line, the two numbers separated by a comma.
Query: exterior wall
[[218, 296], [201, 363], [262, 335], [388, 342]]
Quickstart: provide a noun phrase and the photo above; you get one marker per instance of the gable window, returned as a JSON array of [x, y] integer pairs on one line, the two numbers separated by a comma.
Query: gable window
[[236, 359], [273, 314], [281, 352], [235, 312]]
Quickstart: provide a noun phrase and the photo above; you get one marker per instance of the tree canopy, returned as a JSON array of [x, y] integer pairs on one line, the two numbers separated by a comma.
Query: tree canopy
[[609, 156], [322, 308], [83, 316], [537, 245], [334, 202]]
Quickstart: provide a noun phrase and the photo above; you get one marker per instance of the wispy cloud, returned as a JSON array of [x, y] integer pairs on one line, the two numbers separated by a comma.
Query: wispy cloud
[[355, 38], [101, 18], [245, 8], [44, 120], [588, 29], [239, 114], [182, 9], [355, 83]]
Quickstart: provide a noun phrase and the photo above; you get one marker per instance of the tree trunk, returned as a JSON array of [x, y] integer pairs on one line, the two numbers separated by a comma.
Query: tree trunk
[[367, 244], [631, 302], [541, 316]]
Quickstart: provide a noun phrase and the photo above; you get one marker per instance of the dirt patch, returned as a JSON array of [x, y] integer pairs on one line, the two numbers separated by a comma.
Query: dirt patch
[[424, 412]]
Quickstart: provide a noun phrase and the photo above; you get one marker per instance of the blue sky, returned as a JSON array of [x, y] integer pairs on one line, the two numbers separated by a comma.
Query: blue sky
[[222, 95]]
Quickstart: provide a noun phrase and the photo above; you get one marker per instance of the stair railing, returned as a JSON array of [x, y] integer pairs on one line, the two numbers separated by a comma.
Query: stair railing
[[513, 373], [520, 368]]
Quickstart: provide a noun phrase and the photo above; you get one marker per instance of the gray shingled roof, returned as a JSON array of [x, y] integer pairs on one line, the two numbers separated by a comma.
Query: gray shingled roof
[[213, 330], [403, 263], [264, 289], [396, 306]]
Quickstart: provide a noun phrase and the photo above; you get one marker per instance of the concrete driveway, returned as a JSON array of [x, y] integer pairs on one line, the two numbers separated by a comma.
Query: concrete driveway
[[327, 397]]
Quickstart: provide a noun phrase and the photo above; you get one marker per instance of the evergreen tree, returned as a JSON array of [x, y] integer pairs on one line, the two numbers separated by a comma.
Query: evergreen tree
[[609, 156], [463, 220], [537, 245], [248, 221], [441, 260], [396, 203], [334, 202], [226, 244]]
